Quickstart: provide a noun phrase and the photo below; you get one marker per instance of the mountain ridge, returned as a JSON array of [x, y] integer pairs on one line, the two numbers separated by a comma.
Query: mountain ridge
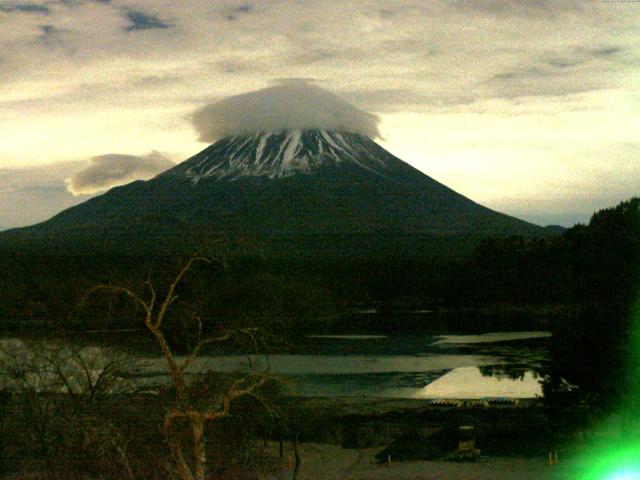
[[288, 184]]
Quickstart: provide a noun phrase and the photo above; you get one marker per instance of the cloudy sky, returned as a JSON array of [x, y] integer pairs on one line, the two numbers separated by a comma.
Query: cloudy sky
[[531, 107]]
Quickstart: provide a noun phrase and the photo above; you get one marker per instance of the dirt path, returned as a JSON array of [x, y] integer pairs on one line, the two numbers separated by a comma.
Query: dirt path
[[328, 462]]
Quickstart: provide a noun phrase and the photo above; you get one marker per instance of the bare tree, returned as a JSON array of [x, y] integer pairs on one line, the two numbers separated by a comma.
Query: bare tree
[[63, 388], [186, 407]]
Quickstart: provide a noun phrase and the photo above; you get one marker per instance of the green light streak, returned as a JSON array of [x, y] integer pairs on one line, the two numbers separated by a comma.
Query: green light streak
[[617, 463], [619, 458], [625, 475]]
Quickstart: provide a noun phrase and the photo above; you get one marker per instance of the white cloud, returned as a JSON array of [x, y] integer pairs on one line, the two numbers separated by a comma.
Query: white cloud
[[292, 104], [106, 171]]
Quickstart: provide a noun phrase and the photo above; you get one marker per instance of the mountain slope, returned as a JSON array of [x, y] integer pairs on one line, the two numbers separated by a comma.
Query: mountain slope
[[302, 185]]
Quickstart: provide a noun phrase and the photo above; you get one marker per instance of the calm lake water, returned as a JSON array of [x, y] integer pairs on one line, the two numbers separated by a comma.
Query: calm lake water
[[424, 366]]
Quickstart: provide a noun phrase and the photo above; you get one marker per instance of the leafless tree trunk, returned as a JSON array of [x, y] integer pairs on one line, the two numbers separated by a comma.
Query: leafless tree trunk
[[155, 310], [199, 453], [298, 461]]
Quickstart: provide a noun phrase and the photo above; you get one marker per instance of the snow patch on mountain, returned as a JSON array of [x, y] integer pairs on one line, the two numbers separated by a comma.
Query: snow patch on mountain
[[282, 154]]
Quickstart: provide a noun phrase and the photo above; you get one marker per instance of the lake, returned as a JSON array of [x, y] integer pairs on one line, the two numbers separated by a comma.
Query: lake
[[489, 365], [493, 364]]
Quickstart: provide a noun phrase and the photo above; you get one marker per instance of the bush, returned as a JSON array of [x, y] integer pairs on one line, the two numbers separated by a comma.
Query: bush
[[416, 446]]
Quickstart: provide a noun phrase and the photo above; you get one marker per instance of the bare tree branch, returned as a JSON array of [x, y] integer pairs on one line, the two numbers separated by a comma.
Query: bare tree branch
[[197, 415], [171, 297]]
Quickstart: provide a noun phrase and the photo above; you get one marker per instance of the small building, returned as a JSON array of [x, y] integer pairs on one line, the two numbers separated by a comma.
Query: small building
[[467, 443]]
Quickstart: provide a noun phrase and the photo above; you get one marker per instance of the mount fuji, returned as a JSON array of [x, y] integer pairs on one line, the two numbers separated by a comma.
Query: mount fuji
[[294, 189]]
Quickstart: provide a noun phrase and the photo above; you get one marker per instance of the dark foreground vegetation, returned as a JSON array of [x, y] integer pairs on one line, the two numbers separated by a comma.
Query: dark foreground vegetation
[[587, 264], [582, 285], [121, 436]]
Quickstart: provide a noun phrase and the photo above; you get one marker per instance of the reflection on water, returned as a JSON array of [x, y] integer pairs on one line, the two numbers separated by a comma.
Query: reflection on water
[[349, 337], [489, 338], [470, 382]]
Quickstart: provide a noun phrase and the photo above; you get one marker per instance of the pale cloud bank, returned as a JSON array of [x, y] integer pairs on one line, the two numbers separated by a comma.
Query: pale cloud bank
[[106, 171], [31, 195]]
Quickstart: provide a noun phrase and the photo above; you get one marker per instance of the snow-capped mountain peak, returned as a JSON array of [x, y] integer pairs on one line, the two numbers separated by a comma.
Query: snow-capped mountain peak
[[282, 154]]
